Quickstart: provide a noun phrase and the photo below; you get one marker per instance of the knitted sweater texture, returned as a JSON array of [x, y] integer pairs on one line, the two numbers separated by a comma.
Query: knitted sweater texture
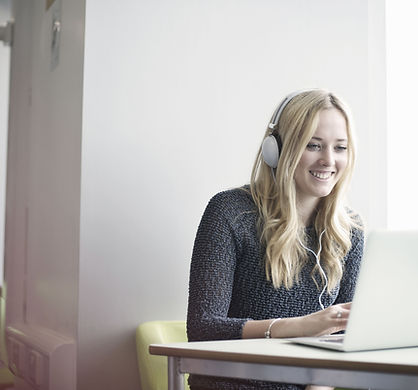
[[228, 284]]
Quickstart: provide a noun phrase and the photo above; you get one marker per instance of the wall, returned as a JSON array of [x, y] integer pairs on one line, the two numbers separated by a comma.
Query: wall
[[43, 181], [5, 15], [44, 153], [112, 162], [374, 163], [402, 84], [177, 95]]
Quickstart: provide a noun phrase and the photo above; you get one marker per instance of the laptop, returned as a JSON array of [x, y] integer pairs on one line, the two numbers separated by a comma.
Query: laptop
[[383, 312]]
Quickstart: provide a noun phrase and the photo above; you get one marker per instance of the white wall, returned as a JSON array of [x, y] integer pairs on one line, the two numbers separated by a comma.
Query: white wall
[[44, 175], [371, 191], [402, 84], [5, 15], [43, 181], [177, 95], [169, 107]]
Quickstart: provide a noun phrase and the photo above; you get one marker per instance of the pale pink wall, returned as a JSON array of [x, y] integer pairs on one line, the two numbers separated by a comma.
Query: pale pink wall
[[43, 186], [5, 16]]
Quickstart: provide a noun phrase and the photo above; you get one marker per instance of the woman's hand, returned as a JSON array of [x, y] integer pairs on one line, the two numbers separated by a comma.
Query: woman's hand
[[330, 320]]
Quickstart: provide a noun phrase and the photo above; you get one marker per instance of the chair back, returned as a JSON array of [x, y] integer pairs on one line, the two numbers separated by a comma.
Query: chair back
[[153, 369]]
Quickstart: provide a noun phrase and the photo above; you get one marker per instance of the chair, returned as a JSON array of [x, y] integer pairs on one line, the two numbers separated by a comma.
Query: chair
[[153, 369]]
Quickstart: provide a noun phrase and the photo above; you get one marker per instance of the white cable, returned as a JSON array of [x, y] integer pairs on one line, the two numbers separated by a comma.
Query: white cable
[[319, 265]]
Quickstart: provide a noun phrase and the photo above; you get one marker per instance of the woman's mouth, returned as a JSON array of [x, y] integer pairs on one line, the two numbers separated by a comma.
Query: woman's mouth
[[321, 175]]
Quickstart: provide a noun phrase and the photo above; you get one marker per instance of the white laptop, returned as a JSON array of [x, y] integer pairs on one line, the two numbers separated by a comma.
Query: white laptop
[[384, 309]]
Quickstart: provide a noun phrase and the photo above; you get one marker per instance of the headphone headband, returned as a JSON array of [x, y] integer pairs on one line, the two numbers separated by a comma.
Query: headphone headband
[[276, 115]]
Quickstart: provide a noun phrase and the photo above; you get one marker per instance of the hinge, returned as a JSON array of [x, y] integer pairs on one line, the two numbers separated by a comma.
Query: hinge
[[6, 33]]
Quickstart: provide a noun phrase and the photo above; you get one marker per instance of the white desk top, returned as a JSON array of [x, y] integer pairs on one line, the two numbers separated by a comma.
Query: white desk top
[[283, 352]]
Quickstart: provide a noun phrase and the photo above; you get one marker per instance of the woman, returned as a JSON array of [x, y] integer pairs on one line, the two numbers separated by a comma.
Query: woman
[[280, 258]]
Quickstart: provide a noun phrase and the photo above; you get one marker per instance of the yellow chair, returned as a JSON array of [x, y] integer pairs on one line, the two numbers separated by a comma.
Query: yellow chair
[[153, 369]]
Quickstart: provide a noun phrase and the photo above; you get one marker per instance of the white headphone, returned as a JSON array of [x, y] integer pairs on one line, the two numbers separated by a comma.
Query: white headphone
[[272, 144], [316, 255]]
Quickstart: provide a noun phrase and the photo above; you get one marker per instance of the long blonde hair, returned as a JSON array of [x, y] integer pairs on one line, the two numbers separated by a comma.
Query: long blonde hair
[[281, 230]]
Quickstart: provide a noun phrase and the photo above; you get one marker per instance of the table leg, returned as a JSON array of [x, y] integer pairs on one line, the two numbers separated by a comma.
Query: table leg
[[175, 377]]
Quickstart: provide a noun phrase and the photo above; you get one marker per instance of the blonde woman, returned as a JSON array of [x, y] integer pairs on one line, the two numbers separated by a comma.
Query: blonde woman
[[280, 257]]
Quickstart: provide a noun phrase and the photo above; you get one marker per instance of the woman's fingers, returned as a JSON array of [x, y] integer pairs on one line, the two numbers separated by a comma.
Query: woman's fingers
[[333, 319], [341, 312], [346, 305]]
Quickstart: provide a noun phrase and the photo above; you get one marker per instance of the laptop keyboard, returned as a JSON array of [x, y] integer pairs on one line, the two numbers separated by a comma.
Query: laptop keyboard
[[332, 339]]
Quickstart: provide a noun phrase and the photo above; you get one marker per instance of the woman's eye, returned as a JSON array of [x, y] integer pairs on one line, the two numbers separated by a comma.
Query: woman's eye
[[313, 146], [341, 148]]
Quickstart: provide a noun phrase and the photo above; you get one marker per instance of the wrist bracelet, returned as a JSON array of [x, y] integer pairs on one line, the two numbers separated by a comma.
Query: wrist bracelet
[[267, 333]]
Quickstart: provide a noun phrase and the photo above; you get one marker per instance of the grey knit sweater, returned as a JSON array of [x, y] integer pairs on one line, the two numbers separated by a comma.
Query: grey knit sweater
[[228, 285]]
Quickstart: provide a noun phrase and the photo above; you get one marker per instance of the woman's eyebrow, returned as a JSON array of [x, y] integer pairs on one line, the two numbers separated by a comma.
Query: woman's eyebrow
[[338, 140]]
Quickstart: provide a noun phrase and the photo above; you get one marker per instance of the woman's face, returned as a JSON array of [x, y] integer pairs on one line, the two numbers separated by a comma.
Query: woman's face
[[324, 159]]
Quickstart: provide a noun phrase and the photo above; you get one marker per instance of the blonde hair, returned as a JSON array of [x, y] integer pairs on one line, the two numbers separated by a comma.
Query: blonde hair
[[281, 230]]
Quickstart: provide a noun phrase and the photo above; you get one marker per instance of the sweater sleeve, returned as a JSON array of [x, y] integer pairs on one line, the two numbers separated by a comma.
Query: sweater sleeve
[[212, 276], [351, 267]]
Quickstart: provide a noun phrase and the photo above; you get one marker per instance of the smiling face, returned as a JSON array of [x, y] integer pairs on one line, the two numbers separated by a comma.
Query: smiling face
[[324, 159]]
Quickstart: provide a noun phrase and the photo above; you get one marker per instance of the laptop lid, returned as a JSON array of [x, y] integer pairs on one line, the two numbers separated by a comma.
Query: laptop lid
[[383, 313]]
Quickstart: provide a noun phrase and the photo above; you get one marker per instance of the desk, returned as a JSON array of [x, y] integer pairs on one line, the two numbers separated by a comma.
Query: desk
[[282, 361]]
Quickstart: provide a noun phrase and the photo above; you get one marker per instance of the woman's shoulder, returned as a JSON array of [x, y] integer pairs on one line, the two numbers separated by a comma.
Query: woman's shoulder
[[232, 202], [357, 230], [234, 195], [355, 219]]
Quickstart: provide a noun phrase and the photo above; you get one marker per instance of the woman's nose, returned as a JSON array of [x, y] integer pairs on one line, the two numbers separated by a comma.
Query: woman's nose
[[327, 157]]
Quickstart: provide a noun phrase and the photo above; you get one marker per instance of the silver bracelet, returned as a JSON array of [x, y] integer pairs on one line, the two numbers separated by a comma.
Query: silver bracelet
[[267, 333]]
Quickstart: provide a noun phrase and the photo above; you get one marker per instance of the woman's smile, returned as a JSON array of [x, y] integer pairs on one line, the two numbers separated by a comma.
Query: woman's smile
[[322, 175]]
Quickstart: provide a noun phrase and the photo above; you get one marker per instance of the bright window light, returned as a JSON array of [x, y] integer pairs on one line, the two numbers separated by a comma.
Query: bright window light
[[402, 110]]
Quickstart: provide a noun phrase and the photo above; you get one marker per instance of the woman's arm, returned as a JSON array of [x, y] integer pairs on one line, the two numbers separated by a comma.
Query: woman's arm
[[212, 274], [332, 319]]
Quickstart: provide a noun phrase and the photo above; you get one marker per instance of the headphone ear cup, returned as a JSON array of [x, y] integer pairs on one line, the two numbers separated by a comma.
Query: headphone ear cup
[[270, 151]]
